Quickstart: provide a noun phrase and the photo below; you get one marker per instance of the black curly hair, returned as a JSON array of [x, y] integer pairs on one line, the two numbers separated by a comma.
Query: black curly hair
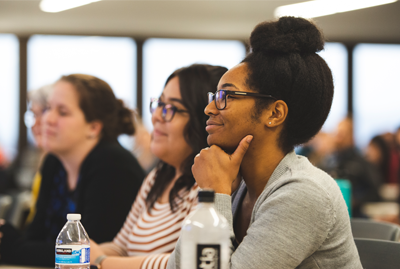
[[283, 63]]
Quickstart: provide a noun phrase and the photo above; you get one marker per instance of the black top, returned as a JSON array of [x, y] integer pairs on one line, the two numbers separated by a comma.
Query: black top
[[109, 180], [62, 201]]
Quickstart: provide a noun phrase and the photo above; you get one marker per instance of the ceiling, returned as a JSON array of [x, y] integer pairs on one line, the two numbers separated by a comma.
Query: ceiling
[[190, 19]]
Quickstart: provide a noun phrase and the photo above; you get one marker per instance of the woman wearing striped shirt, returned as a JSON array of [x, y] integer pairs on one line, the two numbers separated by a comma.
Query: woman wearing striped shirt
[[169, 192]]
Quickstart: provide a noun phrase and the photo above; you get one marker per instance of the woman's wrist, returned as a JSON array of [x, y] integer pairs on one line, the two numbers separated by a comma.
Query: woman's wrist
[[219, 188], [99, 260]]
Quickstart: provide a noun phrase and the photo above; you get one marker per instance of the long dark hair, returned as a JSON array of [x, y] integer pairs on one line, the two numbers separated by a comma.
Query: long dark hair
[[98, 102], [195, 82]]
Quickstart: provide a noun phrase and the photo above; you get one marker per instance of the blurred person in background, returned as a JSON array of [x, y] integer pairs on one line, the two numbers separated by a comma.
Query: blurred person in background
[[394, 160], [37, 106], [397, 139], [377, 153], [141, 147], [33, 119], [169, 192], [3, 174], [347, 162], [86, 171], [24, 169], [318, 149], [3, 160], [22, 175]]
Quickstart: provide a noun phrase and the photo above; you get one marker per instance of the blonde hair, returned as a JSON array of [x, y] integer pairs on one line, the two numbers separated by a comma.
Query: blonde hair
[[39, 96]]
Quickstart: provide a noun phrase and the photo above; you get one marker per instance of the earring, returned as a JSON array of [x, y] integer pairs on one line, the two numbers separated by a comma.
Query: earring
[[269, 122]]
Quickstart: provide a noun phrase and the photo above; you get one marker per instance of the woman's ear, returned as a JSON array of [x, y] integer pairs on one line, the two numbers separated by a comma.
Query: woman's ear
[[95, 128], [278, 113]]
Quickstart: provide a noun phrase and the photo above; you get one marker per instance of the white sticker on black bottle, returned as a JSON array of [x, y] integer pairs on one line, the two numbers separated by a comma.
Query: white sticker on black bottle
[[208, 257]]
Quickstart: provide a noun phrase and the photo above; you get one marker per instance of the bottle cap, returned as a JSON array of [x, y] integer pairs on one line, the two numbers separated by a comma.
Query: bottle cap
[[206, 196], [73, 216]]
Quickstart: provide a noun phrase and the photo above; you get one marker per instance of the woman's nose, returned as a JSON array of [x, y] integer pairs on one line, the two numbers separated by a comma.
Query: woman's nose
[[49, 116], [211, 109], [38, 121], [157, 115]]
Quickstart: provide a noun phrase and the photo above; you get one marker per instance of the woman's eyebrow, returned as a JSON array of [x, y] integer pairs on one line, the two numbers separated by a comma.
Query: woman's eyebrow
[[62, 106], [175, 100], [225, 85]]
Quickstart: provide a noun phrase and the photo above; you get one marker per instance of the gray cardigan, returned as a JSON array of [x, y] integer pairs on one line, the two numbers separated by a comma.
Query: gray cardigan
[[300, 220]]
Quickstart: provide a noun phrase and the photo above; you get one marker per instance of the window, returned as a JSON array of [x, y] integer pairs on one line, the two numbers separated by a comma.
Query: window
[[376, 90], [9, 94], [335, 55], [112, 59], [163, 56]]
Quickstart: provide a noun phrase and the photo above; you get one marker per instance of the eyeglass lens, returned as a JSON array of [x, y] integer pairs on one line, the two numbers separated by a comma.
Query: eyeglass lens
[[210, 97], [220, 98], [167, 112], [29, 119]]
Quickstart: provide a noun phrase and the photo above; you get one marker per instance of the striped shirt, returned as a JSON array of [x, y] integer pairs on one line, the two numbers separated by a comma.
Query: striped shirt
[[154, 233]]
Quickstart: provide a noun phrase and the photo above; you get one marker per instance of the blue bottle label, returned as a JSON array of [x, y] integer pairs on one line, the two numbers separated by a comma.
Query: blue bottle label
[[72, 254]]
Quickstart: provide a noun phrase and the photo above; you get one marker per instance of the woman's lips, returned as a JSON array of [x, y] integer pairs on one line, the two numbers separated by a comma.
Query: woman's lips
[[49, 133], [212, 125], [158, 133]]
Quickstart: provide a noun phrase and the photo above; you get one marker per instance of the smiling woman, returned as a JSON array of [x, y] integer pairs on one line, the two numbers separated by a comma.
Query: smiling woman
[[285, 213], [168, 142], [86, 171], [169, 193]]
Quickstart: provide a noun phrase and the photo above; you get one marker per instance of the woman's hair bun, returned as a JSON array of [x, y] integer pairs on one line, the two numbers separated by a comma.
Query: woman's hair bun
[[125, 123], [287, 35]]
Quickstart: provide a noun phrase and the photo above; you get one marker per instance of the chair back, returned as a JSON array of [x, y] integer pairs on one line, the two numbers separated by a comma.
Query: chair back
[[5, 203], [365, 228], [21, 205], [378, 254]]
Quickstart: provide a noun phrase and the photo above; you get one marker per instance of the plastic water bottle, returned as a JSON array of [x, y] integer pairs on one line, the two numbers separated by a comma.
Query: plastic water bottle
[[72, 245], [205, 237]]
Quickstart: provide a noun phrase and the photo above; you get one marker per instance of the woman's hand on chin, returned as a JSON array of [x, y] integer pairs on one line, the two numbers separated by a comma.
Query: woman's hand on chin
[[215, 169]]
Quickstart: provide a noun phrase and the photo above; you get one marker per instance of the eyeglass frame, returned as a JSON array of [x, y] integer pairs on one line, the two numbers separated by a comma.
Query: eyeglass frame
[[30, 118], [163, 115], [227, 92]]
